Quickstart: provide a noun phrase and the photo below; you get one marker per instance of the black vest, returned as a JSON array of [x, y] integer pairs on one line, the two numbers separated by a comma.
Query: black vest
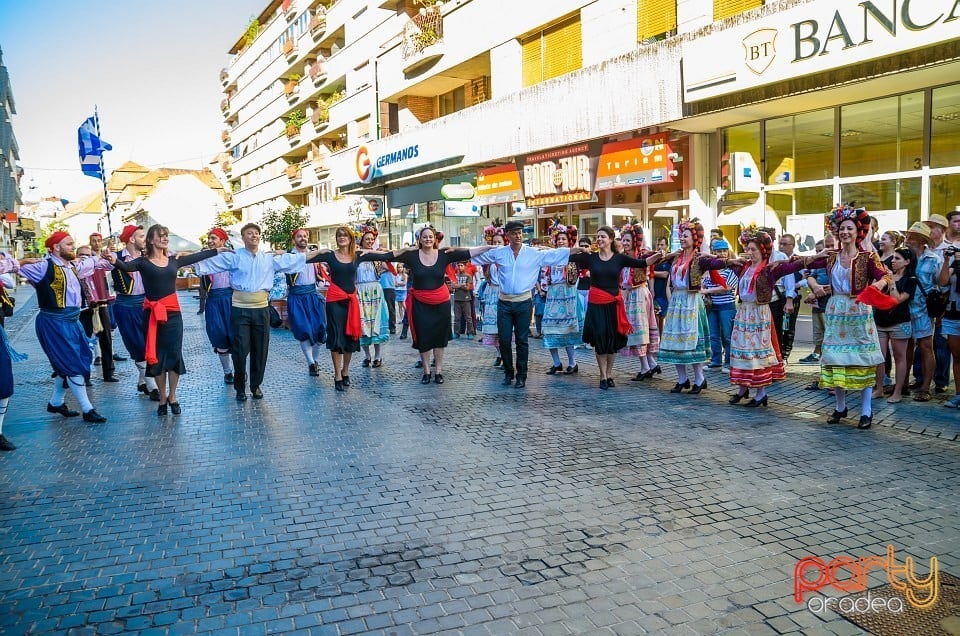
[[122, 281], [52, 288]]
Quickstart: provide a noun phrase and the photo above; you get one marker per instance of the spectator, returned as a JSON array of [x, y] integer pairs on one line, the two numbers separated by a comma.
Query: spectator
[[717, 290], [463, 320], [941, 350], [894, 326], [929, 264], [818, 280], [388, 283], [951, 318]]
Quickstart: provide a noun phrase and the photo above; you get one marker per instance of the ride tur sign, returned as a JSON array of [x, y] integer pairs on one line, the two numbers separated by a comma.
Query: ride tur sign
[[559, 176]]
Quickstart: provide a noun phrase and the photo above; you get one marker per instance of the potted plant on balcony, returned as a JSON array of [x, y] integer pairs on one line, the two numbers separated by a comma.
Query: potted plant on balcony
[[318, 23], [320, 115], [225, 136], [426, 37], [253, 30], [225, 104], [318, 69], [289, 47], [294, 173], [295, 120], [287, 7], [292, 86]]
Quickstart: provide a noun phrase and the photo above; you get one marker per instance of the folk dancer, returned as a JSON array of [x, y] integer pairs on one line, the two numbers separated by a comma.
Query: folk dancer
[[56, 279], [306, 308], [563, 313], [374, 315], [7, 356], [217, 308]]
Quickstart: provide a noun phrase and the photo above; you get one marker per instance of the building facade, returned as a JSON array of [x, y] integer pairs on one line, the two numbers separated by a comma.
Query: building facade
[[10, 172], [595, 112]]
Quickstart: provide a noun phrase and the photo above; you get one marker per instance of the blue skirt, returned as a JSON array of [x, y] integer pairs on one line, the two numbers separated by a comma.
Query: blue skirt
[[6, 371], [63, 341], [306, 314], [217, 317], [128, 310]]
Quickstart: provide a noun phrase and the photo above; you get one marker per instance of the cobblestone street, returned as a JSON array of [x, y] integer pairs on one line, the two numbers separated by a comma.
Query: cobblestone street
[[467, 507]]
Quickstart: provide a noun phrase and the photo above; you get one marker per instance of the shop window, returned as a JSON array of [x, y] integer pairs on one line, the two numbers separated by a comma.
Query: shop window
[[656, 19], [799, 147], [895, 202], [453, 101], [881, 135], [945, 128], [800, 212], [944, 193], [740, 171], [723, 9], [552, 52]]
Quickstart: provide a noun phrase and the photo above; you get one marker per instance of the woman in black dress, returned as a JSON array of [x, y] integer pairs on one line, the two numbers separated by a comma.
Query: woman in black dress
[[343, 306], [606, 325], [428, 301], [163, 321]]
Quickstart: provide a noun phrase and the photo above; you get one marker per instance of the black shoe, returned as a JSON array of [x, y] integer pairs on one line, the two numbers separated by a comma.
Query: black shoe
[[418, 365], [377, 364], [175, 408], [97, 361], [256, 393], [498, 362], [365, 363], [753, 403], [438, 378], [678, 388], [555, 370], [507, 380], [656, 370], [836, 416], [118, 358], [520, 383], [155, 395], [346, 380], [87, 382], [604, 384], [62, 410], [866, 421], [940, 389], [698, 387], [93, 417], [610, 383], [110, 378], [571, 370], [228, 378], [241, 396], [314, 370], [813, 386], [736, 397], [425, 379], [5, 444], [338, 385], [640, 377], [142, 388], [162, 410]]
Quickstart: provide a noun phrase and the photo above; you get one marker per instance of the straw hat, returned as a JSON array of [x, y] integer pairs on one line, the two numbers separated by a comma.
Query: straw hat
[[939, 219], [920, 231]]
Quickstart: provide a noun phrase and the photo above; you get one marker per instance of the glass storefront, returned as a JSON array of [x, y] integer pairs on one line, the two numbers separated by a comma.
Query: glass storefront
[[882, 154]]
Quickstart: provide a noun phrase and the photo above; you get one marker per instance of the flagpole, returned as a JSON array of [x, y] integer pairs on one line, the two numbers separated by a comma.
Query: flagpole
[[103, 175]]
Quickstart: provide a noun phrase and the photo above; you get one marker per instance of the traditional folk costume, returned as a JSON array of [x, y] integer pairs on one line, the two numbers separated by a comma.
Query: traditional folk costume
[[216, 314], [755, 358], [644, 342], [685, 337], [491, 292], [851, 346], [562, 314], [307, 313], [59, 295], [606, 325], [128, 313], [7, 356]]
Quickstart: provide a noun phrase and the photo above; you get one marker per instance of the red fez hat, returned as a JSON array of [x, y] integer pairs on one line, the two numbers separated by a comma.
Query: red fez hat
[[55, 238], [219, 233], [97, 234], [300, 229], [128, 231]]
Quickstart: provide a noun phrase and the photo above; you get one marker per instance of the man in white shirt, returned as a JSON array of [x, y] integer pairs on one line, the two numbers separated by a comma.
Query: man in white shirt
[[939, 225], [251, 276], [517, 271], [787, 309]]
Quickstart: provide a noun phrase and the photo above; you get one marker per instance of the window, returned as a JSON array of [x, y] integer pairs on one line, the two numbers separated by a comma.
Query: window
[[552, 52], [723, 9], [799, 147], [655, 19], [945, 128], [363, 128], [453, 101], [881, 135]]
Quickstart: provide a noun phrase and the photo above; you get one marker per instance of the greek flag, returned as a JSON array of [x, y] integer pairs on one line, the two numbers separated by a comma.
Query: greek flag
[[91, 148]]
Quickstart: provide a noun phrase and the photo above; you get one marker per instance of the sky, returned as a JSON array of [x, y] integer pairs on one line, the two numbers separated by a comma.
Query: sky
[[151, 68]]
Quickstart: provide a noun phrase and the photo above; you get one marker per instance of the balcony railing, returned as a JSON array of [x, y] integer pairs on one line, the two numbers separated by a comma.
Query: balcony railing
[[318, 70], [288, 9], [294, 173], [318, 23], [289, 48], [225, 105], [224, 77], [422, 31]]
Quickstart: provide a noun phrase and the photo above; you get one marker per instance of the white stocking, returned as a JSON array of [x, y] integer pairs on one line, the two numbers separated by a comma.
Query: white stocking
[[3, 412], [307, 349], [79, 389], [226, 361]]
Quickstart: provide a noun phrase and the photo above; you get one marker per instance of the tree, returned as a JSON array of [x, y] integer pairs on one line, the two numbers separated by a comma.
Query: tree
[[44, 233], [278, 226]]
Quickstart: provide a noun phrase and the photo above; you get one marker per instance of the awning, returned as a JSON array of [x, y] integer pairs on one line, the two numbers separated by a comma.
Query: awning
[[633, 162], [500, 184]]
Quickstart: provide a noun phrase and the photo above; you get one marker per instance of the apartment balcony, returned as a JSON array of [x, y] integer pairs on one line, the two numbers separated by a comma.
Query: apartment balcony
[[290, 50], [289, 11], [225, 137], [291, 89], [293, 133], [318, 23], [320, 118], [422, 40], [318, 71], [294, 173], [224, 77], [225, 106], [321, 165]]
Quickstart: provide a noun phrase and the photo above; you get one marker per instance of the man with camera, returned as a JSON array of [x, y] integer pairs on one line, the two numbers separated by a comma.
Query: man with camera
[[948, 327]]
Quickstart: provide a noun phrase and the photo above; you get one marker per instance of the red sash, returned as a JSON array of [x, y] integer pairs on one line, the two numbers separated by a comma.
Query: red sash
[[436, 296], [158, 313], [335, 294], [597, 296]]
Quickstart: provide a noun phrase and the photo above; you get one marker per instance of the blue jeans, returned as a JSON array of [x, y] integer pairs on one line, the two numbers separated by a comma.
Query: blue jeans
[[720, 319], [513, 321]]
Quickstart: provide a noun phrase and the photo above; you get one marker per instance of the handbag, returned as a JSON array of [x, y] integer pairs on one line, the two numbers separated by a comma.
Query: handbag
[[275, 321], [936, 301]]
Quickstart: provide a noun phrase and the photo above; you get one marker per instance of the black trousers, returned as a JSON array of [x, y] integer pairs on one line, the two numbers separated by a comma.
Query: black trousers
[[251, 336], [784, 336], [390, 297], [105, 337], [513, 321]]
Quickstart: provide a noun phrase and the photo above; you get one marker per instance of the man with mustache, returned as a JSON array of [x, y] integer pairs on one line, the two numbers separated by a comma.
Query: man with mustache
[[57, 279]]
